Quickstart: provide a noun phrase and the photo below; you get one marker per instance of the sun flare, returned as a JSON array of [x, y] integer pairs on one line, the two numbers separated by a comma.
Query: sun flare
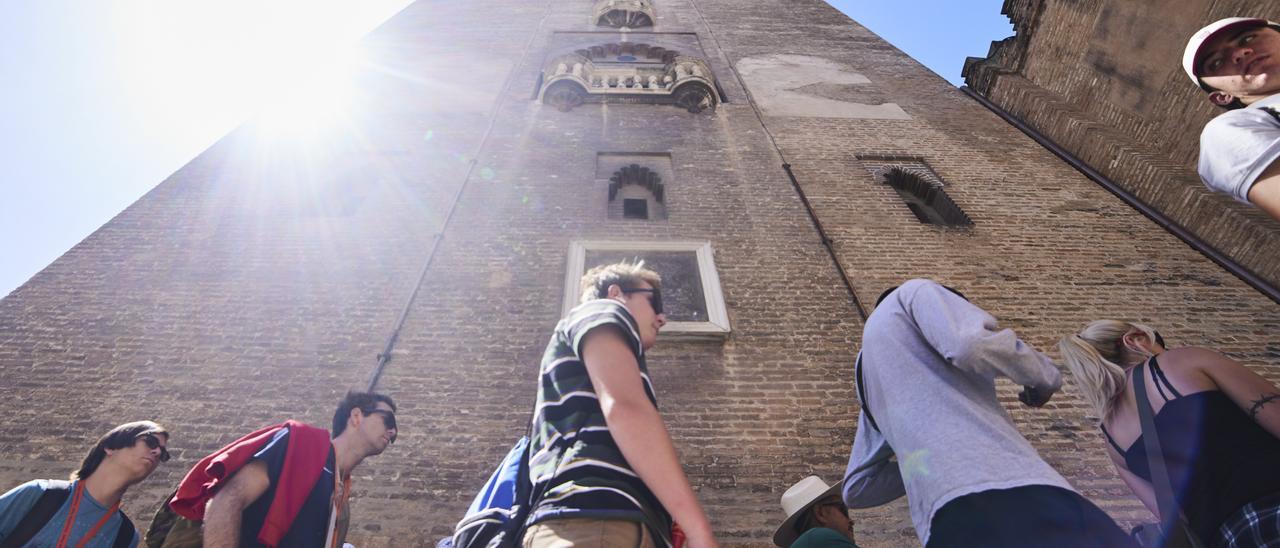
[[286, 65]]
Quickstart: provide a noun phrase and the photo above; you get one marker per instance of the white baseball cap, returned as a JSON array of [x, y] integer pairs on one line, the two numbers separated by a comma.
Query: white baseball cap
[[1192, 53]]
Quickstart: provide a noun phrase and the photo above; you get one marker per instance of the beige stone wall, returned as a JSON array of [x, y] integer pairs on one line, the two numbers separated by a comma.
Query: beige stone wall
[[227, 298]]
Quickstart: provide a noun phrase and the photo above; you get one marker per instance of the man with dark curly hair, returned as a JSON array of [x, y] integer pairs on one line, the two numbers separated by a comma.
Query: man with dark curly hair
[[287, 485]]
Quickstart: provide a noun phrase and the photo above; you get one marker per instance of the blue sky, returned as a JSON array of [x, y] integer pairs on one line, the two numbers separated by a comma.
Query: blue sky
[[103, 99]]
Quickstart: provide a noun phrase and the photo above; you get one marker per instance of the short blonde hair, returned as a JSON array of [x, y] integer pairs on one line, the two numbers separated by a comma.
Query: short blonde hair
[[595, 283], [1094, 357]]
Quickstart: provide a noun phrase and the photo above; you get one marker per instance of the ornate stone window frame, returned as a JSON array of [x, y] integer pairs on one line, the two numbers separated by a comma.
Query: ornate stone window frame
[[717, 325], [663, 77], [623, 14]]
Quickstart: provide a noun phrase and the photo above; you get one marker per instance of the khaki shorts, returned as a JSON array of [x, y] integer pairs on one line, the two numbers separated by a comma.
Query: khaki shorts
[[588, 533]]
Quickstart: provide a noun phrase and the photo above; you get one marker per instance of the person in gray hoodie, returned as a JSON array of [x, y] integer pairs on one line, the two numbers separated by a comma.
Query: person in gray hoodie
[[931, 427]]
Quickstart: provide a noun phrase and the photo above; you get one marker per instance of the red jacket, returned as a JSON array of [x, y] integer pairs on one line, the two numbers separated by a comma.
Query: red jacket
[[305, 457]]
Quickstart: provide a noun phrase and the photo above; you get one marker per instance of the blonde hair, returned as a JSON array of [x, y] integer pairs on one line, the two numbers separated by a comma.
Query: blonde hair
[[1095, 356], [595, 283]]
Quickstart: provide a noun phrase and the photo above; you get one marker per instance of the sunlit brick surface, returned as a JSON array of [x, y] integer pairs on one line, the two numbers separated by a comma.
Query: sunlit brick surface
[[235, 295]]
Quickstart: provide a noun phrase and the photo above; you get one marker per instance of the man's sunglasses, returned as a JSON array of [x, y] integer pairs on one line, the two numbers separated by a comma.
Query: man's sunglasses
[[154, 443], [655, 297], [388, 421]]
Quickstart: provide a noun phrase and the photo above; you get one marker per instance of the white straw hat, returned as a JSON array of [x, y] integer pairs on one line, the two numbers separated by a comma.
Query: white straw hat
[[796, 500], [1192, 53]]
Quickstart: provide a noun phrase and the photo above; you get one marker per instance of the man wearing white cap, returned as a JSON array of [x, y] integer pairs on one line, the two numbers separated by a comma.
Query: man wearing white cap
[[1237, 62], [816, 517]]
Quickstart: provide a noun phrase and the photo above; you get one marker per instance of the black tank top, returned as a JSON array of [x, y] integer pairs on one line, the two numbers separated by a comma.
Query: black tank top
[[1219, 458]]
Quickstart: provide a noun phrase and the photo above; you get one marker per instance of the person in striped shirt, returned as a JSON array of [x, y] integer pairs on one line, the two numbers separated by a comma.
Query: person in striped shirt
[[604, 469]]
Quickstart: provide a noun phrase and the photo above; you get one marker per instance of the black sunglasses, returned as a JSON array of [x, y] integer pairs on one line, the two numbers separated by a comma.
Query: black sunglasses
[[388, 420], [153, 443], [837, 504], [655, 299]]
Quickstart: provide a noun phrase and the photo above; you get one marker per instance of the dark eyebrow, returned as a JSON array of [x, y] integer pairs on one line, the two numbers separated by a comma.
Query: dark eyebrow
[[1243, 32], [1233, 39]]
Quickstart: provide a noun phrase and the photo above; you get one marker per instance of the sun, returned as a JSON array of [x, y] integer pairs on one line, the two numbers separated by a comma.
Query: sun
[[307, 97], [287, 66]]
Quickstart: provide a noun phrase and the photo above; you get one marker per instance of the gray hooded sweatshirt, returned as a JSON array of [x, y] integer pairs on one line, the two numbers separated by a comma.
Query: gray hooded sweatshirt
[[930, 360]]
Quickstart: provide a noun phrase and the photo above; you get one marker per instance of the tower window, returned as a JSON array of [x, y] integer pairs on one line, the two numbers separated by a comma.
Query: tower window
[[630, 73], [691, 295], [635, 208], [927, 201], [636, 192]]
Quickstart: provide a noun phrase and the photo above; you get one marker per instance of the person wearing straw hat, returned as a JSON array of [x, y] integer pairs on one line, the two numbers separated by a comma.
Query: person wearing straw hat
[[1237, 62], [816, 517]]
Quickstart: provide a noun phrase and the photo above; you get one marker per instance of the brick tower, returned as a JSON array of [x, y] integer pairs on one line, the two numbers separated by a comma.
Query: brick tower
[[1102, 81], [780, 164]]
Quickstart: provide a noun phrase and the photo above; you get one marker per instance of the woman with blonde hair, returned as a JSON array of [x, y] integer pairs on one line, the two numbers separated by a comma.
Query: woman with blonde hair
[[1218, 425]]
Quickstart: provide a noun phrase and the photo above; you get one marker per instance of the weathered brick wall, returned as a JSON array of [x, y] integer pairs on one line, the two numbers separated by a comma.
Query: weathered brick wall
[[1048, 252], [1103, 79], [226, 298]]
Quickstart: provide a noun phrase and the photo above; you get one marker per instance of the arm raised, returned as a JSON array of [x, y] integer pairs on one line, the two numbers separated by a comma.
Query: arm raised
[[969, 338]]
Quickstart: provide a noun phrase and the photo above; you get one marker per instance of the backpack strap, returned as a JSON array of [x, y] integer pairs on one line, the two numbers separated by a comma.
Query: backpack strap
[[1172, 522], [862, 394], [40, 513], [124, 536]]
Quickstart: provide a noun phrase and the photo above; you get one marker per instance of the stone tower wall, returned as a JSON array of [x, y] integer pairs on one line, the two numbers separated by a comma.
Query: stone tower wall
[[1103, 79], [260, 281]]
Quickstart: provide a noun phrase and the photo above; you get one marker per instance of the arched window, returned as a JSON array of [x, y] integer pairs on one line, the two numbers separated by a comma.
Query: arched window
[[624, 14], [927, 201], [636, 192], [628, 72]]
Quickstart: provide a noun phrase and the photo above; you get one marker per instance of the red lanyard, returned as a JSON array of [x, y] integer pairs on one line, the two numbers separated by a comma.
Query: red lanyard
[[71, 519], [339, 502]]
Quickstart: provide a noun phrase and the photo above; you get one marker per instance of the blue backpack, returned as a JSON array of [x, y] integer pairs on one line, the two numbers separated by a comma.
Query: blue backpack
[[497, 515]]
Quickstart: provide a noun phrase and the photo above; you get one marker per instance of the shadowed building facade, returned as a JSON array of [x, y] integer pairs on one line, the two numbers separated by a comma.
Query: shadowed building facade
[[778, 163], [1103, 80]]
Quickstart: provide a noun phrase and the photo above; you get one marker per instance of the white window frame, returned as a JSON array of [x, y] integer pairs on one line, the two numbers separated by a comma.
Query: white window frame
[[717, 324]]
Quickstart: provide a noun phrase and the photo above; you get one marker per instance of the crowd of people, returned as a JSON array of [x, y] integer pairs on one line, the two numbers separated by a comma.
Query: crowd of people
[[602, 469]]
